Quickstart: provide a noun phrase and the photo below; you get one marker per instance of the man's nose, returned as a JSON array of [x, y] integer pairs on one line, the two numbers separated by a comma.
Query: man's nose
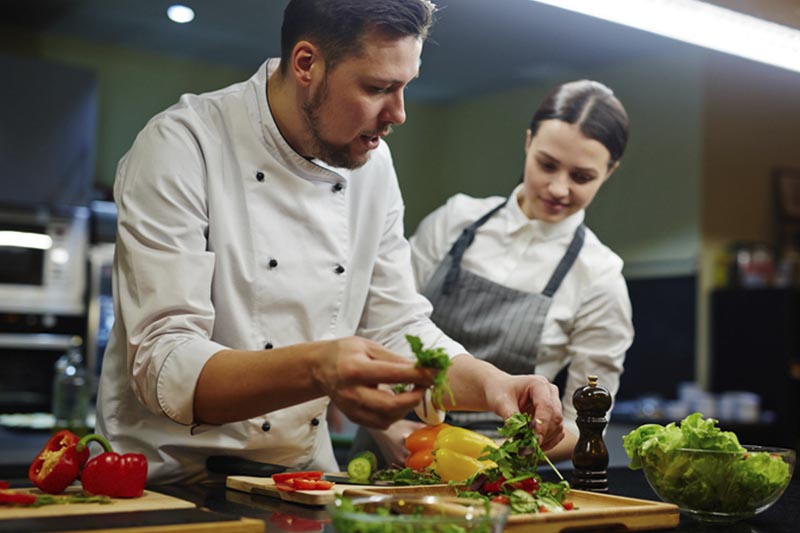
[[395, 111]]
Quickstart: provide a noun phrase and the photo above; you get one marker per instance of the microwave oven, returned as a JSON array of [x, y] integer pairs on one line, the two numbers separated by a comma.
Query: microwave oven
[[43, 257]]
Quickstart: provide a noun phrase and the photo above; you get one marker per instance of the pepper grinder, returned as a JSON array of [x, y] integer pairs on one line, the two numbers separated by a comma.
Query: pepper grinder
[[590, 456]]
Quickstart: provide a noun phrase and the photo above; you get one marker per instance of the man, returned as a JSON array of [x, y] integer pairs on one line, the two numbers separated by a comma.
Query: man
[[260, 229]]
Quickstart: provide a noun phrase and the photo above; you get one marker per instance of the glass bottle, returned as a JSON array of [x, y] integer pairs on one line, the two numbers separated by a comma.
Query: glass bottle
[[590, 456], [71, 389]]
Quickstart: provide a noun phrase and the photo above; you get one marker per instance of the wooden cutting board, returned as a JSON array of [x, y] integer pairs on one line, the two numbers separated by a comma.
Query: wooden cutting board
[[593, 510], [149, 501], [602, 511], [266, 487]]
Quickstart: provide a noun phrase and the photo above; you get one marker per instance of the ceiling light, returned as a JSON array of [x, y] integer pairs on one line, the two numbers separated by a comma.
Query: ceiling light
[[180, 13], [700, 24]]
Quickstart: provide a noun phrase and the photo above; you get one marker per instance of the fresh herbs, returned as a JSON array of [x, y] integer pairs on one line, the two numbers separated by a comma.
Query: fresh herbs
[[407, 476], [515, 480], [437, 359]]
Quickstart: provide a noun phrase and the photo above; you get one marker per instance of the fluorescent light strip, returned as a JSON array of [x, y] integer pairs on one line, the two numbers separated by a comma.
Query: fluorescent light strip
[[700, 24], [22, 239]]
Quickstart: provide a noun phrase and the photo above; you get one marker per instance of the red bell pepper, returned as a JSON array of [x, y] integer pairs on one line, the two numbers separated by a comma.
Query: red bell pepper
[[58, 464], [16, 498], [112, 474]]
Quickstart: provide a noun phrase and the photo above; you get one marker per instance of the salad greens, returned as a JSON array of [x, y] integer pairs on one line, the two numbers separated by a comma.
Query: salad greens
[[515, 480], [437, 359], [733, 480], [407, 476]]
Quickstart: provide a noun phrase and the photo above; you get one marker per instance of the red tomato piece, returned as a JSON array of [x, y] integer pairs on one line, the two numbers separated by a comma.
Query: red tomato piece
[[310, 474], [569, 506], [493, 486], [501, 498]]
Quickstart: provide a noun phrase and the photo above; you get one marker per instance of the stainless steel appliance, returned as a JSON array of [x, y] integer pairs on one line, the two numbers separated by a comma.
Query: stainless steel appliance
[[42, 299]]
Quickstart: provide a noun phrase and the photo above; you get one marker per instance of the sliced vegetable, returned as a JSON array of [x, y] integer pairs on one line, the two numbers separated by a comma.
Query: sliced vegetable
[[308, 474], [16, 498], [302, 483], [58, 464], [112, 474], [361, 467]]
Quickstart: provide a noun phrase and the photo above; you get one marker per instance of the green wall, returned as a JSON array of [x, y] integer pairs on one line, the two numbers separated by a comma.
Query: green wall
[[649, 212]]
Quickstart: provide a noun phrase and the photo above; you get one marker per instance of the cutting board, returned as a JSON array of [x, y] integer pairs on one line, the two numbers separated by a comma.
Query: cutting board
[[149, 501], [593, 510], [266, 487], [602, 511]]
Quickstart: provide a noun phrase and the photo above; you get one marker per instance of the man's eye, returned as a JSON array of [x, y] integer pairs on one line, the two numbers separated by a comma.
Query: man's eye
[[380, 90]]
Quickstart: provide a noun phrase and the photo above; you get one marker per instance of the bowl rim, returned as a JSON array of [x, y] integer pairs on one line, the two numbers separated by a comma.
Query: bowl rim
[[498, 514], [777, 450]]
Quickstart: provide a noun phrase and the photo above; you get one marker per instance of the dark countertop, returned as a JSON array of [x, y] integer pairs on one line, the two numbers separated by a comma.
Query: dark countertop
[[783, 517]]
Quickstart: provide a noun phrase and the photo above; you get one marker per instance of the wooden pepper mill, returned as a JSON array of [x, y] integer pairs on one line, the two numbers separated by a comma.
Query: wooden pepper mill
[[590, 456]]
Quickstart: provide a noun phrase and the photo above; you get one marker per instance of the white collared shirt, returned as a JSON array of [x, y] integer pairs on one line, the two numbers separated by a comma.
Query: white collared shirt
[[227, 238], [588, 326]]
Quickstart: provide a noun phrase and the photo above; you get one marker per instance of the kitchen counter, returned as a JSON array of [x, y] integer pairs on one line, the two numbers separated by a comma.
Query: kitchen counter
[[280, 516]]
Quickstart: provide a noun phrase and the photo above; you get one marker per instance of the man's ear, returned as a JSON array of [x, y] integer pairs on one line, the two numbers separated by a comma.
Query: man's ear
[[303, 60]]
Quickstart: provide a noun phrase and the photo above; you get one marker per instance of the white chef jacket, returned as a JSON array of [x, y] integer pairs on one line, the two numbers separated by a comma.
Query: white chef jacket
[[588, 325], [227, 238]]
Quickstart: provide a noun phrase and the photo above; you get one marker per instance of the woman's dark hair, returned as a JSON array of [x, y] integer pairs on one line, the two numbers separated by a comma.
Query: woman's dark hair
[[337, 26], [593, 108]]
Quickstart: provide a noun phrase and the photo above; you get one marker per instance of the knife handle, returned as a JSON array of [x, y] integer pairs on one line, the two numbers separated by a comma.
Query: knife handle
[[239, 466]]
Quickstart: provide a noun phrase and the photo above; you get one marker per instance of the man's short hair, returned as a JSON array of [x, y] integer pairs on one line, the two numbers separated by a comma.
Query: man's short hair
[[337, 26]]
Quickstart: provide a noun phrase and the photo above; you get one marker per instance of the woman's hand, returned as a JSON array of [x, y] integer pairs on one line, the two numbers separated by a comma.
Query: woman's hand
[[354, 372], [392, 440]]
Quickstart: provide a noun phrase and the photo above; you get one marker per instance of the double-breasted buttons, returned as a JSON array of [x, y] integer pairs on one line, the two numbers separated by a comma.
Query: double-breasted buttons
[[273, 263], [315, 421], [337, 186], [268, 346], [266, 426], [339, 269], [260, 176]]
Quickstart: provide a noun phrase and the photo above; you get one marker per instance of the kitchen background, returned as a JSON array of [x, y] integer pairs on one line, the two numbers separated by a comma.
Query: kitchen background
[[712, 267]]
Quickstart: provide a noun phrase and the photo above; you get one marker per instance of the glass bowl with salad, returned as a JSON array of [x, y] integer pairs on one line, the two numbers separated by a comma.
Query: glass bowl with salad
[[706, 472], [400, 513]]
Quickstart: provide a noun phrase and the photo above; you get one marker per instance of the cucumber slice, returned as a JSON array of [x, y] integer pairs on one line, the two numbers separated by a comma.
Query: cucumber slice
[[361, 466]]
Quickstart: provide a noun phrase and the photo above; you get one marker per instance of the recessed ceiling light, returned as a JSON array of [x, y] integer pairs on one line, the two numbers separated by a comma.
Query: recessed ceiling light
[[701, 24], [180, 13]]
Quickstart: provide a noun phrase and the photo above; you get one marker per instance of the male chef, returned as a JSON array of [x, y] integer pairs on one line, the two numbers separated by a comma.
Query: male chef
[[261, 270]]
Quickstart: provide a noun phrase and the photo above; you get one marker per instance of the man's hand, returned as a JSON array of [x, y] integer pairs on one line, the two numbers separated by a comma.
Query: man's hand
[[480, 386], [351, 370]]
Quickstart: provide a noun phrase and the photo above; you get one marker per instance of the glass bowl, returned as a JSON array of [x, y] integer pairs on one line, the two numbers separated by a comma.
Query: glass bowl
[[416, 514], [721, 486]]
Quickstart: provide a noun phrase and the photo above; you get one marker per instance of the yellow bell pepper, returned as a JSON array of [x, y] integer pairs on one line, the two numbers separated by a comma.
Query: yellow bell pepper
[[456, 453], [463, 441]]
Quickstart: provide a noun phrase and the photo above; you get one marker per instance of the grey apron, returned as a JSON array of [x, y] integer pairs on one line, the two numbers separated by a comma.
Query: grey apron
[[495, 323]]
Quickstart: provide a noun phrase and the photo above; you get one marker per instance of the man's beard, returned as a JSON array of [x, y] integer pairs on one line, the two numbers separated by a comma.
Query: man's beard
[[336, 155]]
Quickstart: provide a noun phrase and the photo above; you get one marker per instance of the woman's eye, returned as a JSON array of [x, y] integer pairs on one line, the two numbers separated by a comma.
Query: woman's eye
[[547, 166], [581, 178]]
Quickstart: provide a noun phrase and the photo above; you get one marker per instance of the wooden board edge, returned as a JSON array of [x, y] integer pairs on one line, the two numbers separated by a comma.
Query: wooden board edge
[[242, 525]]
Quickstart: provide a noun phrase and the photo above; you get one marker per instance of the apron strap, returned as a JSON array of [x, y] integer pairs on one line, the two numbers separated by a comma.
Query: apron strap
[[566, 262], [460, 246]]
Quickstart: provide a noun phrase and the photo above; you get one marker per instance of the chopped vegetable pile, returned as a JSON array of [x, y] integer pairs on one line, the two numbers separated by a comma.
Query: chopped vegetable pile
[[515, 480], [737, 481]]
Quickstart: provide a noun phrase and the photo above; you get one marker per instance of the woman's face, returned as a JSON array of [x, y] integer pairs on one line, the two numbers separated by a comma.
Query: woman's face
[[564, 169]]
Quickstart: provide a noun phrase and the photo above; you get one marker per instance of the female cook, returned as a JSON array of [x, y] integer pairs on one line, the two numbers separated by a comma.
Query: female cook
[[522, 282]]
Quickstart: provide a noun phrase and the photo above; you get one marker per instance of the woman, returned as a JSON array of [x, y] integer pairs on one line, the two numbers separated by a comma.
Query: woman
[[521, 282]]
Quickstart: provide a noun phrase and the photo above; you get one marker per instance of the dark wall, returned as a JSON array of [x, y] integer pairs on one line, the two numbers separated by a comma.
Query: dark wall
[[663, 350]]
